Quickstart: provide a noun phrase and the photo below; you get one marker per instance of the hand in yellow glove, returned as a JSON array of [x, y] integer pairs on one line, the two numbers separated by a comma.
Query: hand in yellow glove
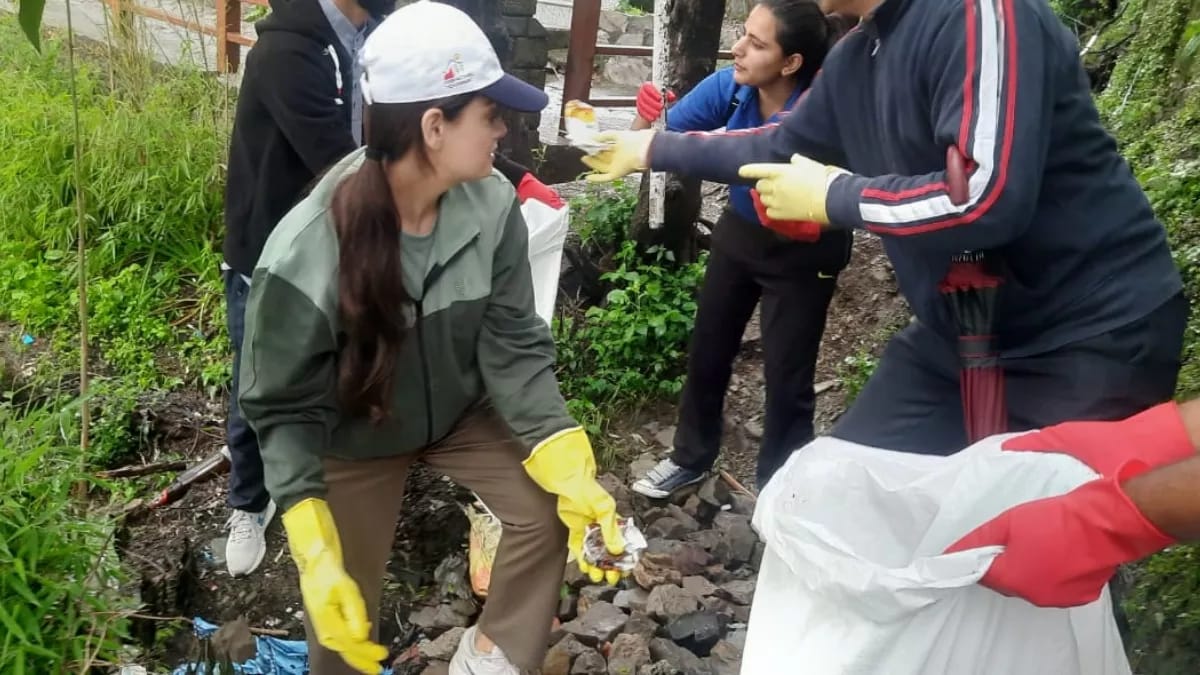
[[628, 151], [334, 604], [794, 191], [564, 465]]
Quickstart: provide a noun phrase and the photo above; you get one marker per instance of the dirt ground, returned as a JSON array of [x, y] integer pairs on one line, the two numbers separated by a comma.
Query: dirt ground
[[178, 550]]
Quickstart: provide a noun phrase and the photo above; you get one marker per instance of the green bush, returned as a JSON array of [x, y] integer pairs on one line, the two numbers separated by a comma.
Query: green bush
[[1164, 613], [602, 215], [59, 603], [153, 152], [634, 345]]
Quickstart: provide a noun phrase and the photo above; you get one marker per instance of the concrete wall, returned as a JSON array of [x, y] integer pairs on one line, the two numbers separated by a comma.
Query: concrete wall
[[526, 58], [521, 43], [625, 29], [556, 14]]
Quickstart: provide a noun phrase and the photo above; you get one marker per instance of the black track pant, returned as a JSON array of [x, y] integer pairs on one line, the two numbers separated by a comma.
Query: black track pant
[[795, 283], [912, 401]]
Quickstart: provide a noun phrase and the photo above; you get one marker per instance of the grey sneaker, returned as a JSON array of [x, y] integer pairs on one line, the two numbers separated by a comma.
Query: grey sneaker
[[665, 478], [468, 661], [247, 543]]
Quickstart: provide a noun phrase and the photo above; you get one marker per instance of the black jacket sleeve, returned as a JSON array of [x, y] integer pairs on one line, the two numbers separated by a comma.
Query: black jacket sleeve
[[513, 171], [299, 89]]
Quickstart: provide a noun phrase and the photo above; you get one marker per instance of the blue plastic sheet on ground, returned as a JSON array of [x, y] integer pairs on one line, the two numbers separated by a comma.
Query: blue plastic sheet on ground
[[275, 656]]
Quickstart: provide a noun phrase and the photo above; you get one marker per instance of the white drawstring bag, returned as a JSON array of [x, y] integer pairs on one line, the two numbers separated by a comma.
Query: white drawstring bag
[[547, 233], [853, 580]]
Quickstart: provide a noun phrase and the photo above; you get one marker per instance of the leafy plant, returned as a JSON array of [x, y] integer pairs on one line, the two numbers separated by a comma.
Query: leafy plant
[[854, 372], [602, 215], [59, 603], [153, 183], [1162, 610], [634, 345]]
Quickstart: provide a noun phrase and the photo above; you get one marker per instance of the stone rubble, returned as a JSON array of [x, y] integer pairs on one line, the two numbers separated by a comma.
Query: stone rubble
[[684, 610]]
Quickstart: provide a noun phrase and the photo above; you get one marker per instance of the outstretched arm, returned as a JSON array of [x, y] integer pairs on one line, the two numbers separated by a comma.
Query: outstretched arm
[[809, 129], [979, 54]]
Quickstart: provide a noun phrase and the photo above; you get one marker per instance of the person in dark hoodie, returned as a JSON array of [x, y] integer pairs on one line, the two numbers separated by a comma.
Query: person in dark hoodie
[[1090, 316], [300, 110]]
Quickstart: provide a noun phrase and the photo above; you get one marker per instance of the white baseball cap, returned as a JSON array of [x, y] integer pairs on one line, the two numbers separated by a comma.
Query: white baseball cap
[[428, 50]]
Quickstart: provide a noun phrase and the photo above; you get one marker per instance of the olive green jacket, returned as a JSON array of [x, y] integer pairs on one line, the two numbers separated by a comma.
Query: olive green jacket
[[477, 336]]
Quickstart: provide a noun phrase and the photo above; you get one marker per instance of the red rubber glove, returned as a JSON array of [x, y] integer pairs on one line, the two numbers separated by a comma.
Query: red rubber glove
[[799, 230], [650, 101], [532, 188], [1061, 551], [1154, 437]]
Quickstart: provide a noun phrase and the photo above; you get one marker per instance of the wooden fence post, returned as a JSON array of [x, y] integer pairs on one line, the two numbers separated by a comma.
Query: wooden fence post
[[229, 22], [122, 23], [581, 55]]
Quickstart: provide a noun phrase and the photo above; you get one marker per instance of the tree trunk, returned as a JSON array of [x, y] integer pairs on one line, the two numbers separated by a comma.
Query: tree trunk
[[694, 37]]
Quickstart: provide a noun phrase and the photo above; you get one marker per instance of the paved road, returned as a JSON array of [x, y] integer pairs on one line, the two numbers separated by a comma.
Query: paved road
[[176, 45]]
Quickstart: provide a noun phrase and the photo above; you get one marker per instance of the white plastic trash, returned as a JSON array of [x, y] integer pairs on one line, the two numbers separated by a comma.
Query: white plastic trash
[[853, 580], [547, 233]]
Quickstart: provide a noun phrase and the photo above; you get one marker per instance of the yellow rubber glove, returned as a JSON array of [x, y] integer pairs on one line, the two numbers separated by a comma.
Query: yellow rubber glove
[[628, 151], [564, 465], [794, 191], [334, 604]]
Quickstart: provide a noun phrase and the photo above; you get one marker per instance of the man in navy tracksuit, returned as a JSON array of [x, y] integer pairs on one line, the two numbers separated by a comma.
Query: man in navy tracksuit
[[1090, 314]]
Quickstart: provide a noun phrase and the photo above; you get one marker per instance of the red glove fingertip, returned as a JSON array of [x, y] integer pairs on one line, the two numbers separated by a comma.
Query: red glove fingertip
[[649, 101], [532, 188], [758, 206], [798, 230], [992, 533]]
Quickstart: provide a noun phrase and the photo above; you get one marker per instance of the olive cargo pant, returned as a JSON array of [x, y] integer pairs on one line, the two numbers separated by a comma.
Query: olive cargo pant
[[480, 454]]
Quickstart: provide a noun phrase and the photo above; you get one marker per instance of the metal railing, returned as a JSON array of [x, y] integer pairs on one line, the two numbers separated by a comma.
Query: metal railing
[[582, 51], [227, 28]]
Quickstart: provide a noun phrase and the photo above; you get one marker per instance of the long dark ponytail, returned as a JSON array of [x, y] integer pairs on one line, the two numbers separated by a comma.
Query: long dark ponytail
[[802, 28], [371, 293]]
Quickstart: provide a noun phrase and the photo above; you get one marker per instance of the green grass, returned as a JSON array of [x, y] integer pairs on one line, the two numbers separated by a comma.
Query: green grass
[[60, 598], [153, 154]]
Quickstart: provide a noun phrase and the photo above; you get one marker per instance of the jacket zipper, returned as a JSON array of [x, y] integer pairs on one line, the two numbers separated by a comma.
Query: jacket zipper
[[874, 83], [426, 378]]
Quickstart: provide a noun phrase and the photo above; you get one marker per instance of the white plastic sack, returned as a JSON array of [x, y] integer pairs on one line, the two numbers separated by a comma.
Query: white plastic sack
[[547, 233], [853, 579]]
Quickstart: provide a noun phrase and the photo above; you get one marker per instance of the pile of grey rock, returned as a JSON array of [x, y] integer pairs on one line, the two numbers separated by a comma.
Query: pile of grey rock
[[684, 610]]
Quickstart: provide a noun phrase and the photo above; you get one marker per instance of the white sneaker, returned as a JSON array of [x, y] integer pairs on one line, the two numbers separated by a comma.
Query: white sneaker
[[468, 661], [247, 543]]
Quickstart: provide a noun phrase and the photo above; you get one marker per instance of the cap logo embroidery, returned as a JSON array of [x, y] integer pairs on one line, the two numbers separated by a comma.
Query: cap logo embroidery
[[456, 74]]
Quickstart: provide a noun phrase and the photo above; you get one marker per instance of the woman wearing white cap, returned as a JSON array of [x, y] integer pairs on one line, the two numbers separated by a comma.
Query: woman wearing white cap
[[391, 318]]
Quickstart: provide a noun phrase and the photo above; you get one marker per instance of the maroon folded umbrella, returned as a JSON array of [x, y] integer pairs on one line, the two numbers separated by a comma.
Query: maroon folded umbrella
[[971, 291]]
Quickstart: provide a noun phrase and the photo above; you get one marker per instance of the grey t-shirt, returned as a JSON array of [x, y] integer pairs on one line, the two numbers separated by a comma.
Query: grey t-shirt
[[414, 261]]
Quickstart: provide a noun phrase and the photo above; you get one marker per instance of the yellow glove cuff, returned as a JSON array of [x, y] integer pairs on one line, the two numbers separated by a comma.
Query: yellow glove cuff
[[563, 456], [311, 531]]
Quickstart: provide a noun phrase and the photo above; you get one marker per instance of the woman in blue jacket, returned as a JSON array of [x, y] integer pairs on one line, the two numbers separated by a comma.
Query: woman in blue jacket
[[791, 267]]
